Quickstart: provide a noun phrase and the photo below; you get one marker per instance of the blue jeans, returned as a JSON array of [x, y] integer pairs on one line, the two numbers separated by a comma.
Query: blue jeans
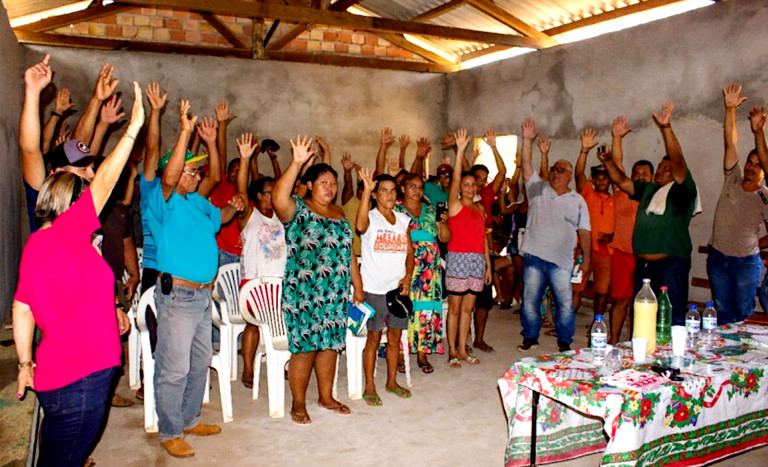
[[73, 417], [763, 294], [671, 271], [182, 357], [734, 282], [226, 257], [537, 273]]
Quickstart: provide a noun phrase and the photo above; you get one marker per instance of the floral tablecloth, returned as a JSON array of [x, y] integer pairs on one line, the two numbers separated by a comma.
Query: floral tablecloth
[[720, 409]]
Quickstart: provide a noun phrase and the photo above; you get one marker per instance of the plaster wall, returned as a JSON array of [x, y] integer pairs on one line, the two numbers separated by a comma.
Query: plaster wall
[[10, 176], [687, 58]]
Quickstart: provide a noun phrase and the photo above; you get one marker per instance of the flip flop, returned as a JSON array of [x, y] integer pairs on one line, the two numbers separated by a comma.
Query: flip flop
[[400, 392], [401, 367], [340, 409], [472, 360], [454, 363], [426, 368], [372, 400], [301, 419]]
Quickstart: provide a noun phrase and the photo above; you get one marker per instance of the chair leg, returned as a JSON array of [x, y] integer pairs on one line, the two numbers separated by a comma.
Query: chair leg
[[406, 357], [335, 393], [150, 415], [225, 384], [233, 354], [257, 374], [355, 366], [275, 381], [207, 393]]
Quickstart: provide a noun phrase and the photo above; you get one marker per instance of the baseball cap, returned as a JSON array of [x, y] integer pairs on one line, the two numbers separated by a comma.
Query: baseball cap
[[599, 169], [400, 306], [189, 158], [73, 152], [444, 169]]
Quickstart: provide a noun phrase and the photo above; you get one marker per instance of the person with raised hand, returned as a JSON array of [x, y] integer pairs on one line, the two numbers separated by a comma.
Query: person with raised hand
[[733, 262], [184, 224], [105, 87], [469, 266], [75, 363], [661, 241], [110, 113], [350, 197], [62, 106], [263, 238], [318, 275], [544, 145], [557, 215], [386, 139]]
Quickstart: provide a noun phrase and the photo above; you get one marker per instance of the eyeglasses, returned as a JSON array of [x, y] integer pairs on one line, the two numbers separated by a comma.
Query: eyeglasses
[[558, 169], [192, 173]]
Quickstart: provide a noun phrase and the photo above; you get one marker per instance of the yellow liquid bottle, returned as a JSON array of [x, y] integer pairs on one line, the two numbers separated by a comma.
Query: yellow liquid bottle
[[646, 307]]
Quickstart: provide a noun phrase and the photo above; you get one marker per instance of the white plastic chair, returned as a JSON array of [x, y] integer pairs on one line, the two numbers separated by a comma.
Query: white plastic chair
[[220, 363], [261, 305], [354, 351], [134, 347], [148, 360], [228, 284]]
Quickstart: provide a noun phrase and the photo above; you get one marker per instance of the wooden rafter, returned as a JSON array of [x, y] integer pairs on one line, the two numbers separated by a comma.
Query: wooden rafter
[[341, 5], [331, 18], [403, 43], [223, 30], [508, 19], [20, 8], [482, 52], [609, 15], [437, 11], [89, 14]]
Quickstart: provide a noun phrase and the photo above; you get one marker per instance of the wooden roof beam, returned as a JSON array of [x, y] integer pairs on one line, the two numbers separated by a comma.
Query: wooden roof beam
[[437, 11], [89, 14], [341, 5], [503, 16], [223, 30]]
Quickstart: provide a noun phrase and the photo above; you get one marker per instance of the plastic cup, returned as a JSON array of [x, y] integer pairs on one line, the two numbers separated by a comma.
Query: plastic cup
[[678, 340], [639, 346]]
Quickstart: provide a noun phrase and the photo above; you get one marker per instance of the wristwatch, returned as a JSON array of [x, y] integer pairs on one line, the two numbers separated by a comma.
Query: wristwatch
[[29, 364]]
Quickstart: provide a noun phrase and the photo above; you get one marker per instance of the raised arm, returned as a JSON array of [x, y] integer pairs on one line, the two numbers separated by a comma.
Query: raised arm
[[423, 147], [109, 171], [61, 105], [152, 156], [587, 143], [386, 138], [348, 191], [454, 203], [529, 134], [105, 86], [207, 130], [619, 130], [275, 164], [757, 123], [110, 113], [361, 220], [672, 146], [223, 116], [36, 78], [246, 146], [617, 175], [501, 175], [175, 166], [732, 98], [324, 149], [544, 144], [404, 141], [282, 203]]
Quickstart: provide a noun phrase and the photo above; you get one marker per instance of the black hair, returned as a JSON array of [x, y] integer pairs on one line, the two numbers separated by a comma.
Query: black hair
[[409, 177], [360, 185], [231, 163], [257, 187], [467, 174], [477, 167], [754, 151], [315, 171], [642, 162], [384, 178]]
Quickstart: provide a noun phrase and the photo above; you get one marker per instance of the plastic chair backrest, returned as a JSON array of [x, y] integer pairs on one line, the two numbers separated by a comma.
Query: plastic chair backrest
[[147, 300], [228, 283], [261, 302]]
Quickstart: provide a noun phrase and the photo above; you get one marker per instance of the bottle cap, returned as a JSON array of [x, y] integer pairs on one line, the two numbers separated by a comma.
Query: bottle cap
[[664, 288], [646, 281], [598, 317], [693, 307], [710, 305]]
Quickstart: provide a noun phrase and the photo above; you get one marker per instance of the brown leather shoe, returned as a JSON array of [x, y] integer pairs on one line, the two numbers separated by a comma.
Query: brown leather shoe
[[120, 401], [177, 447], [201, 429]]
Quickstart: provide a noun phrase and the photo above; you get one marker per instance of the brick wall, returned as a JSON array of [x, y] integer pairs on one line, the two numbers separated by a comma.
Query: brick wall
[[189, 28]]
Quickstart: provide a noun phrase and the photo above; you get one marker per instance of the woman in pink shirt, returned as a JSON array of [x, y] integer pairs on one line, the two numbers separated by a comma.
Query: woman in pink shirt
[[66, 289]]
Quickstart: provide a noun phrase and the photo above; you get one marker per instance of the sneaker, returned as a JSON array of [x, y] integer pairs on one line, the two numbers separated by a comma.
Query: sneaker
[[177, 447], [120, 401], [528, 344], [201, 429], [563, 346]]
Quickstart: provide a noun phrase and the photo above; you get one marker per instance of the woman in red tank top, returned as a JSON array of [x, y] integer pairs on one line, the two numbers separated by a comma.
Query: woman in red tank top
[[468, 260]]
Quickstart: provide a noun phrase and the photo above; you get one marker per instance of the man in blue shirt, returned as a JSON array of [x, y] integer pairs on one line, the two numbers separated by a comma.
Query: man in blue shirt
[[184, 226]]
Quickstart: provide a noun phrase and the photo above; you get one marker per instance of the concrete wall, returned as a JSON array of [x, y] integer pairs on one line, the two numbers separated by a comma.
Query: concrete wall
[[11, 200], [688, 58], [347, 106]]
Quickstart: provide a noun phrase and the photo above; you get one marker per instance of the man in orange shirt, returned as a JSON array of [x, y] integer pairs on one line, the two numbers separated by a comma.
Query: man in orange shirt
[[596, 192]]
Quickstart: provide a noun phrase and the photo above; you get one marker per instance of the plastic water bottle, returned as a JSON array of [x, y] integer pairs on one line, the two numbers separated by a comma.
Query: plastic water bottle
[[692, 326], [599, 341], [577, 273], [709, 326], [664, 319]]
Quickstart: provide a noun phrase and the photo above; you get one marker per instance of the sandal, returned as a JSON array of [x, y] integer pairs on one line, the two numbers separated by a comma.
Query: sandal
[[401, 367], [454, 363], [472, 360], [301, 418], [372, 400], [484, 347], [340, 408], [400, 392], [426, 367]]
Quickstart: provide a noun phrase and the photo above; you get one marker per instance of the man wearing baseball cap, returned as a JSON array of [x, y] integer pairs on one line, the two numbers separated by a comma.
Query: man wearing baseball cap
[[438, 192]]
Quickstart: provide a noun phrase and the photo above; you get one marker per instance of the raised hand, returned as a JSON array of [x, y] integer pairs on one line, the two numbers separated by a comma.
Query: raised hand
[[63, 101], [387, 136], [187, 122], [323, 145], [423, 147], [137, 112], [237, 202], [544, 144], [620, 127], [302, 149], [222, 111], [664, 119], [393, 166], [462, 138], [447, 141], [588, 140], [404, 140], [732, 97], [64, 134], [156, 100], [246, 145], [346, 161], [105, 85], [606, 154], [207, 130], [110, 110], [490, 137], [37, 77], [757, 118], [529, 129], [366, 175]]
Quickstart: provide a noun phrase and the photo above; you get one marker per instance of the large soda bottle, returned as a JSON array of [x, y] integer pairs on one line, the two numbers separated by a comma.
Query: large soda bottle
[[709, 326], [664, 320], [692, 326], [646, 308], [599, 341]]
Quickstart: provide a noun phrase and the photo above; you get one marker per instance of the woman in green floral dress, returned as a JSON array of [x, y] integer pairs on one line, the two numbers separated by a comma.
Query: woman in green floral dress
[[425, 327], [317, 278]]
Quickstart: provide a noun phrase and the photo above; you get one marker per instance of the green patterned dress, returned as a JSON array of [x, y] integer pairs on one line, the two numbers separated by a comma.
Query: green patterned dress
[[425, 329], [317, 280]]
